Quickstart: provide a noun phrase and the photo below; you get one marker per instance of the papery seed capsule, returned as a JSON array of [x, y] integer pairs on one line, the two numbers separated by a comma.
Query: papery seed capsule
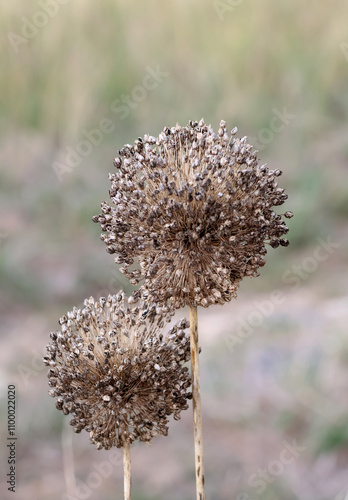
[[197, 216], [111, 355]]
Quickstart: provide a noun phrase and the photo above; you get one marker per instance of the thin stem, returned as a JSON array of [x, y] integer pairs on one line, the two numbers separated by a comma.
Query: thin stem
[[68, 459], [196, 399], [127, 470]]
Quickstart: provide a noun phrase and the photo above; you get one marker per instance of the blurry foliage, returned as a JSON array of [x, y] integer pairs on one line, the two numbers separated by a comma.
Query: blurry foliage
[[334, 436], [262, 56]]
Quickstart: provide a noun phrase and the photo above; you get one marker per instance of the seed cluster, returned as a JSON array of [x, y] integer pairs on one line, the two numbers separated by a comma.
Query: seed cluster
[[194, 209], [112, 368]]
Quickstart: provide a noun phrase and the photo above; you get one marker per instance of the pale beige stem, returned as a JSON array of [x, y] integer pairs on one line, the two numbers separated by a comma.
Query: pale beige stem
[[68, 459], [127, 470], [196, 399]]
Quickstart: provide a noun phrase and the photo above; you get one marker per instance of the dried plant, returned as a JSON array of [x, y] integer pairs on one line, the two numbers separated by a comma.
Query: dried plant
[[194, 209], [116, 373]]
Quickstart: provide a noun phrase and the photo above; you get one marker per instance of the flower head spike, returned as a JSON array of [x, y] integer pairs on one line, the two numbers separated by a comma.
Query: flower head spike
[[112, 368], [194, 209]]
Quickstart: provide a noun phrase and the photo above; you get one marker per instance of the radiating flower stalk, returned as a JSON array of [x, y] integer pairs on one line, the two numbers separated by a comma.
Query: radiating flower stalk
[[113, 369], [194, 209]]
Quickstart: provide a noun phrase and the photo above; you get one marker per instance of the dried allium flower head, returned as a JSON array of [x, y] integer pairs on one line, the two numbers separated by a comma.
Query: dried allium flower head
[[194, 208], [113, 369]]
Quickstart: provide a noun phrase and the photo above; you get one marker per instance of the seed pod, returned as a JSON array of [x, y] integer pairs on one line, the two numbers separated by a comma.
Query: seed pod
[[197, 215], [121, 364]]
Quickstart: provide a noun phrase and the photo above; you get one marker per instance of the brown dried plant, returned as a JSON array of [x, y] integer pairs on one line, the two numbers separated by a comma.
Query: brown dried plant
[[191, 215], [195, 210], [111, 367]]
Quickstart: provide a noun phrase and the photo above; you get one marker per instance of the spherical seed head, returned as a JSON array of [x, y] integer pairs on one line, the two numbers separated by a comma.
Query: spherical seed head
[[194, 209], [116, 373]]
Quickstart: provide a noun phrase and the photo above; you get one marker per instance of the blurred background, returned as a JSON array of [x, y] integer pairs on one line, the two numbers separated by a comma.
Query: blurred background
[[80, 79]]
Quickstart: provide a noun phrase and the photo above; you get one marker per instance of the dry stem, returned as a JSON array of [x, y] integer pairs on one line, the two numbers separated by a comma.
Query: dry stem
[[127, 470], [68, 459], [197, 413]]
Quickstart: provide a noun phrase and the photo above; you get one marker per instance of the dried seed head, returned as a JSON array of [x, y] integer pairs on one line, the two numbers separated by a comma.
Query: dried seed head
[[194, 209], [116, 373]]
